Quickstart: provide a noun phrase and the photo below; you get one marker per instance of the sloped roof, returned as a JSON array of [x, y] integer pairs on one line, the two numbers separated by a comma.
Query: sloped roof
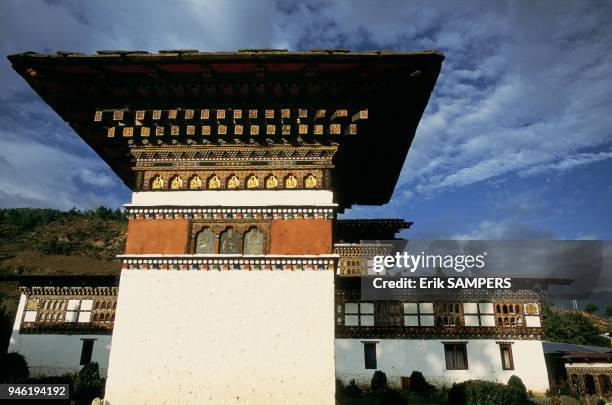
[[394, 88]]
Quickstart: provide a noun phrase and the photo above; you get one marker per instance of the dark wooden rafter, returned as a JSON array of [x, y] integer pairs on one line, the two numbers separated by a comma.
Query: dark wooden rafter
[[393, 87]]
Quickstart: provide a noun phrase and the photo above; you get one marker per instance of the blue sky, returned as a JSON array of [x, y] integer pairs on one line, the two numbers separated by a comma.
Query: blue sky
[[516, 142]]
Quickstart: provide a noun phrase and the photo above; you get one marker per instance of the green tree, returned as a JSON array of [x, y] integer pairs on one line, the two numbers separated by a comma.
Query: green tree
[[88, 384], [517, 390], [379, 381], [14, 368], [591, 308], [608, 312]]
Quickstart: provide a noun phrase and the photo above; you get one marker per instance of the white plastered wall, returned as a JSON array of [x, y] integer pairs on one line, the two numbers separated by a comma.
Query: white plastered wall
[[230, 337], [233, 198], [400, 357], [56, 354]]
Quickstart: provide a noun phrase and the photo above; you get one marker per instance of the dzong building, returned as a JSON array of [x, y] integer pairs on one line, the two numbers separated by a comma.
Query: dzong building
[[238, 282]]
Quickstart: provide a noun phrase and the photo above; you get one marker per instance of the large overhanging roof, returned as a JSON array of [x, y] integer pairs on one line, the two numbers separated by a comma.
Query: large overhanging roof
[[393, 88]]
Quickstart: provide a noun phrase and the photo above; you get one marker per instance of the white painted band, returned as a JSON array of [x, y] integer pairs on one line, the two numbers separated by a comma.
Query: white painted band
[[233, 198]]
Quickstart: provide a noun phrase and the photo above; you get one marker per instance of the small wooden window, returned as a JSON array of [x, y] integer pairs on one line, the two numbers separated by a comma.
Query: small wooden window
[[86, 351], [448, 314], [369, 354], [358, 314], [456, 356], [505, 350], [388, 313]]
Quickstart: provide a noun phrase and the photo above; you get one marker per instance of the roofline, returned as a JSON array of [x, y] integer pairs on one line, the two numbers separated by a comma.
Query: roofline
[[245, 54], [76, 85]]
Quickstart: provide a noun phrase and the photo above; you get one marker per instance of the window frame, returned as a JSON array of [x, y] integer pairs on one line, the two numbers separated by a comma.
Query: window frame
[[453, 346], [420, 315], [360, 314], [389, 313], [480, 314], [370, 355], [441, 311], [506, 346], [86, 351]]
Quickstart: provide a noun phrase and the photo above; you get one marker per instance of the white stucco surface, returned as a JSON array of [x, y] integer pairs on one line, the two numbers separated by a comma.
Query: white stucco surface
[[230, 337], [56, 354], [234, 198], [400, 357]]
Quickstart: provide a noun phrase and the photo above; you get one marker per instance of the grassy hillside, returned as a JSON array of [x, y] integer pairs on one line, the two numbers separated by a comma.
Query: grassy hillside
[[602, 324], [42, 241], [574, 327]]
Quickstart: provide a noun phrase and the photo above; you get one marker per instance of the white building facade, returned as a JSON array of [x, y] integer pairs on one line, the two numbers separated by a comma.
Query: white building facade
[[60, 327], [448, 336]]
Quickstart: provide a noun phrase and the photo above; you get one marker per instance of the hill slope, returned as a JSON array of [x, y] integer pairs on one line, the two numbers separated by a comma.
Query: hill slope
[[49, 242]]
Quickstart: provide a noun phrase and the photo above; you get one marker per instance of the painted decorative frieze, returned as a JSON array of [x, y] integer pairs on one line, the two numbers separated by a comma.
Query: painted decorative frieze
[[250, 179], [244, 263], [245, 237], [68, 309], [425, 314], [198, 213]]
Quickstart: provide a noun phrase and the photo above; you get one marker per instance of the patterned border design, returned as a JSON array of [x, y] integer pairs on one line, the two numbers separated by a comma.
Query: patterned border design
[[190, 157], [231, 263], [229, 213], [440, 300], [50, 304]]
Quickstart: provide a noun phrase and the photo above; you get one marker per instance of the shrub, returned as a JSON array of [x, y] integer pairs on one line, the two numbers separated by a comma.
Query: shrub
[[392, 397], [88, 384], [379, 381], [353, 390], [419, 384], [14, 368], [486, 392], [554, 396], [457, 395], [517, 390], [479, 392], [55, 247]]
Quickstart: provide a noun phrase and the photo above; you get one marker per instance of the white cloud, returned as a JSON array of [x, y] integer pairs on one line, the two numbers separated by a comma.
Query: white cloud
[[42, 177], [524, 88], [97, 179], [567, 163]]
